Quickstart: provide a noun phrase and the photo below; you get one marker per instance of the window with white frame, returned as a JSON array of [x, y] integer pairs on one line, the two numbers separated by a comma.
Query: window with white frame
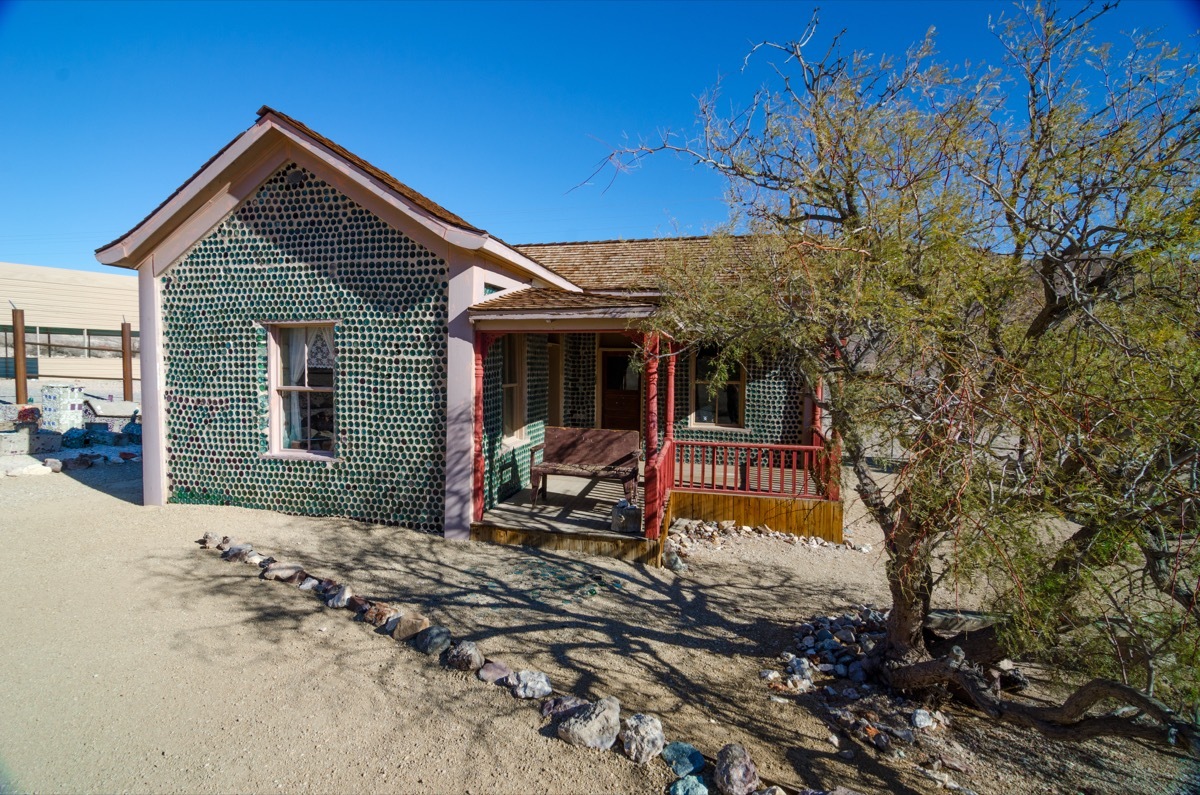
[[512, 386], [303, 361], [725, 407]]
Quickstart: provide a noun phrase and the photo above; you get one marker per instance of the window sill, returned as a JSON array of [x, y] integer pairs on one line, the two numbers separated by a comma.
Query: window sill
[[701, 426], [510, 443], [294, 455]]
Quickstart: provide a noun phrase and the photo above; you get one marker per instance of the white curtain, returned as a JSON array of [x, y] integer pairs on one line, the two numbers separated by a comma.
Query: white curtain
[[296, 362]]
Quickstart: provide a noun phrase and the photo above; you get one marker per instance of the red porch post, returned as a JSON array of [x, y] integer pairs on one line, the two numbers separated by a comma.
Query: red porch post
[[670, 418], [483, 341], [653, 497], [651, 395]]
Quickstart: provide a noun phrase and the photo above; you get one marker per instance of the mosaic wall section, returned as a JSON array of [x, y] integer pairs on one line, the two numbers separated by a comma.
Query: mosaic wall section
[[300, 251], [774, 410], [579, 380], [506, 468]]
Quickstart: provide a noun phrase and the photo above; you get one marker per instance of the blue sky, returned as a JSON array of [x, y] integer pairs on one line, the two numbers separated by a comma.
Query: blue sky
[[495, 110]]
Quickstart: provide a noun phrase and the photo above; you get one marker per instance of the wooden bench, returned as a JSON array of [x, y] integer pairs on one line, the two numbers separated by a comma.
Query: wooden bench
[[587, 453]]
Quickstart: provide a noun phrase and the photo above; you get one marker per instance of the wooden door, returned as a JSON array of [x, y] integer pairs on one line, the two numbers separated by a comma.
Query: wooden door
[[620, 392]]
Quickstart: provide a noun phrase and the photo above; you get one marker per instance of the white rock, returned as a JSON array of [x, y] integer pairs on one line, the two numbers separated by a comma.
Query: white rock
[[531, 684], [642, 737], [799, 683], [769, 675], [30, 471], [339, 598]]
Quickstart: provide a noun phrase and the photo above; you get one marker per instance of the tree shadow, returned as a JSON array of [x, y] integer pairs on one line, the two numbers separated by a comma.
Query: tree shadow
[[687, 649]]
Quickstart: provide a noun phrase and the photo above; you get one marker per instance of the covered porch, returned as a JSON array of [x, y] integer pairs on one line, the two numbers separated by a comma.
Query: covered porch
[[584, 368]]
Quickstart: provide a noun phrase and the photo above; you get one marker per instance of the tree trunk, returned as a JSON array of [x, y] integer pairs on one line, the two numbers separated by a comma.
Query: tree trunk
[[1068, 721], [910, 580]]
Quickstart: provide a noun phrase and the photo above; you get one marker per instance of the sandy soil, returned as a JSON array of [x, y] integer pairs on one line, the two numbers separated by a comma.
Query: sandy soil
[[133, 661]]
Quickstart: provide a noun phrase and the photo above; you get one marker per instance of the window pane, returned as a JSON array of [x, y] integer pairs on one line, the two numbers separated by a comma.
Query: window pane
[[320, 376], [704, 404], [307, 421], [291, 355], [729, 405], [511, 423], [320, 356], [633, 377], [620, 373], [321, 421], [294, 425], [705, 365], [511, 366]]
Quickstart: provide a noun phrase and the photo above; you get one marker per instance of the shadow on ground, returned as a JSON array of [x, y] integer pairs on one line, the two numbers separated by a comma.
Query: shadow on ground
[[687, 649], [119, 481]]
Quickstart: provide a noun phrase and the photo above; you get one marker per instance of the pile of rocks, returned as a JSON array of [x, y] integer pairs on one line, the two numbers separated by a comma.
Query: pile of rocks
[[690, 535], [836, 646], [881, 720]]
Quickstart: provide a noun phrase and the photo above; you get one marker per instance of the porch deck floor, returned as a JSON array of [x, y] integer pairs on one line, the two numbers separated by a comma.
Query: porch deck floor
[[572, 506]]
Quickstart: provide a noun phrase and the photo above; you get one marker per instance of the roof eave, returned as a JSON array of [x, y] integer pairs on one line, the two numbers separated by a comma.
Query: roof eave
[[615, 313], [122, 253]]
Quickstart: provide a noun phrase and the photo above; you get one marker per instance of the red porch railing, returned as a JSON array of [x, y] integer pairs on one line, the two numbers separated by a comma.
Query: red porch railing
[[774, 470], [808, 471]]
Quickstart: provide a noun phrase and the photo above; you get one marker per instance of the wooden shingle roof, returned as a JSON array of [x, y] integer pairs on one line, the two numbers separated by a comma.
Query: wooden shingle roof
[[419, 199], [549, 300], [615, 265]]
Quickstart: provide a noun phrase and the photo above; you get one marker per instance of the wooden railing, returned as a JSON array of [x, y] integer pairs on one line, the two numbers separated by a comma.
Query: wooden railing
[[775, 470], [801, 471], [660, 474]]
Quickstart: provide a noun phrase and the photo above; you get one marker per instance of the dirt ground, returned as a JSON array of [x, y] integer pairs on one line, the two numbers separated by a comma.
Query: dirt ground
[[130, 660]]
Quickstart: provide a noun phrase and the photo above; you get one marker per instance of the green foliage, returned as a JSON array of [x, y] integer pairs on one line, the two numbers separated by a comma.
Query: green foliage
[[994, 271]]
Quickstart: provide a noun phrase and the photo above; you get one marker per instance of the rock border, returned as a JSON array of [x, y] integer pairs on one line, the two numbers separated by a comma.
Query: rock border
[[579, 722]]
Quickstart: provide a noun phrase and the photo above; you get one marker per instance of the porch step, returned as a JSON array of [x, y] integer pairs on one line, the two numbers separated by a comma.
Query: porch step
[[603, 543]]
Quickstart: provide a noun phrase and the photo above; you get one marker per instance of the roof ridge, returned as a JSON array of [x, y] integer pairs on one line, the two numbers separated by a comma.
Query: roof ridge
[[618, 240], [418, 198]]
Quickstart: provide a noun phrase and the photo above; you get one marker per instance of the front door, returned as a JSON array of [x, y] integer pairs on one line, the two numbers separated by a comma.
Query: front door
[[620, 391]]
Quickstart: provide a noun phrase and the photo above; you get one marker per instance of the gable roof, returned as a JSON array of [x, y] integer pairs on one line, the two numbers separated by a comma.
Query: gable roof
[[223, 181], [419, 199], [422, 201]]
